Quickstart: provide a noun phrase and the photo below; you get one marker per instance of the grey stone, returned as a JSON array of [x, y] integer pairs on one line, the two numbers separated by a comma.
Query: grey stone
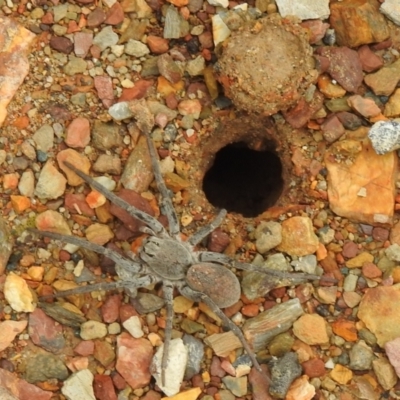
[[307, 264], [106, 136], [361, 357], [106, 38], [391, 9], [175, 26], [44, 138], [136, 48], [304, 9], [75, 66], [44, 366], [268, 235], [283, 372], [195, 349], [238, 386], [145, 303], [261, 329], [393, 252], [385, 136]]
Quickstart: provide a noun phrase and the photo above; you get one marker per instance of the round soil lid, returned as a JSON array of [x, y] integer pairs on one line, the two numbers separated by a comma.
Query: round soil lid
[[267, 65]]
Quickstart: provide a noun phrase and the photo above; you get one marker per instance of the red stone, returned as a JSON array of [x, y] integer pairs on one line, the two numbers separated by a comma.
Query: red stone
[[314, 368], [103, 388], [126, 311], [380, 234], [45, 332], [371, 271], [85, 348], [137, 92], [115, 15], [134, 358], [350, 249], [110, 309], [369, 60], [157, 44], [345, 67], [332, 129]]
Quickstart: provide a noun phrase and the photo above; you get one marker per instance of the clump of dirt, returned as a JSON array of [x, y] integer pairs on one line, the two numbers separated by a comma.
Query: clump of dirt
[[267, 66]]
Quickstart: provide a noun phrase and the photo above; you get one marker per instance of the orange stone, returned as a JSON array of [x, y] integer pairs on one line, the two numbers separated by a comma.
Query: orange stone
[[345, 329], [341, 374], [358, 22], [20, 203], [329, 89]]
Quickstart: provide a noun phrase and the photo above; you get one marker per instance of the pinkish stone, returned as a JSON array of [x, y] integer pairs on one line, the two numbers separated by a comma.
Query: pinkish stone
[[332, 129], [15, 41], [76, 204], [392, 349], [85, 348], [314, 368], [115, 15], [137, 92], [157, 45], [103, 388], [345, 67], [369, 60], [78, 133], [45, 332], [82, 43], [300, 389], [134, 358], [110, 309], [301, 113], [22, 389], [316, 29], [105, 91], [9, 330], [365, 106], [136, 200], [350, 249], [190, 107], [96, 18]]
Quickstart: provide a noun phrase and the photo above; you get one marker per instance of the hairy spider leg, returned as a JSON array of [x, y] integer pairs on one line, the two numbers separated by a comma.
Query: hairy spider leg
[[166, 202], [154, 225], [209, 256]]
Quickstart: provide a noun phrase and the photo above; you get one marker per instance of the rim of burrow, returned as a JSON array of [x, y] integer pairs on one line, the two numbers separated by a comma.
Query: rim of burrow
[[258, 133]]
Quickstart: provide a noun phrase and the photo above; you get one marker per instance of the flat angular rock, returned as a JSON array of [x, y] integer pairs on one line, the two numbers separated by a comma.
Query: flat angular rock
[[298, 237], [379, 311], [304, 9], [175, 370], [133, 360], [363, 189], [9, 330], [259, 330], [14, 44], [344, 66], [391, 8], [17, 293], [384, 81], [358, 22], [79, 386]]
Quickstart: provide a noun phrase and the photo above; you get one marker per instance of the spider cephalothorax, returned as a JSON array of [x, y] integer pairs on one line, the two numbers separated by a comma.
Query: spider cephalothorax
[[164, 258]]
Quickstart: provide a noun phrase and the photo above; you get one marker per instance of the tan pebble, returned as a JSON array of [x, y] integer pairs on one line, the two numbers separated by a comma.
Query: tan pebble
[[182, 304], [191, 394], [78, 160], [18, 294], [341, 374], [300, 389], [36, 273], [52, 221], [99, 234], [359, 260], [311, 329]]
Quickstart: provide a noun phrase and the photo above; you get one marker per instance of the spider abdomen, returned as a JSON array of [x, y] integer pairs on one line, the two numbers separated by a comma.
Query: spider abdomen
[[215, 281]]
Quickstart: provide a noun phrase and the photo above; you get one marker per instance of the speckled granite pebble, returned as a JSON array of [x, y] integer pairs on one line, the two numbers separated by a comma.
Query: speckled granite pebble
[[385, 136]]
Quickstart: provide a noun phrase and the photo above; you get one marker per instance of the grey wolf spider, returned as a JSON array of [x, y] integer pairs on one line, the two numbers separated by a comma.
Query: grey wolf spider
[[165, 258]]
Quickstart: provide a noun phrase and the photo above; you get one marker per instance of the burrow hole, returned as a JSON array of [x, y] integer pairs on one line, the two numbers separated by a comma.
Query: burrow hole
[[243, 180]]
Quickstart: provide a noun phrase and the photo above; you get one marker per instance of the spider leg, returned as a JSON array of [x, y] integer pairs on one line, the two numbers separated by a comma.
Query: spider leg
[[125, 263], [197, 296], [197, 237], [168, 297], [133, 211], [209, 256], [106, 286], [166, 201]]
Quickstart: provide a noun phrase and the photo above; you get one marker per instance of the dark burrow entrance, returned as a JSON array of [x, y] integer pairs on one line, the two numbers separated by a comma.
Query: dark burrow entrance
[[243, 180]]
